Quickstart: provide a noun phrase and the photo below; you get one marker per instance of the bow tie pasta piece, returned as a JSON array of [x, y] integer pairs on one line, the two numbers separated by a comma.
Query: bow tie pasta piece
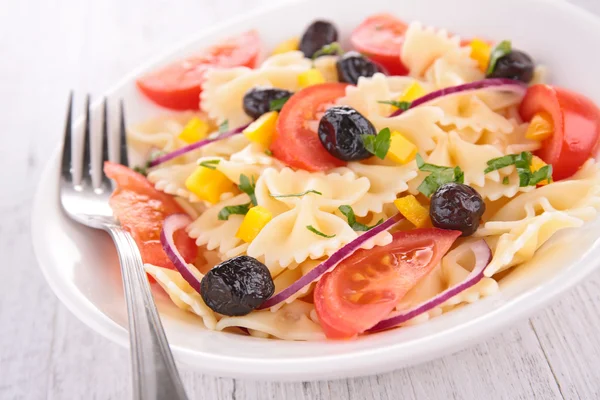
[[290, 322], [287, 238], [328, 68], [182, 294], [224, 89], [225, 148], [471, 112], [423, 45], [289, 276], [514, 142], [454, 68], [473, 158]]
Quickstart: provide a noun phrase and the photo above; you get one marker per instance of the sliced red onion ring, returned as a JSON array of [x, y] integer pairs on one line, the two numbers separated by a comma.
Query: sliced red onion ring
[[169, 156], [337, 257], [501, 84], [172, 224], [483, 256]]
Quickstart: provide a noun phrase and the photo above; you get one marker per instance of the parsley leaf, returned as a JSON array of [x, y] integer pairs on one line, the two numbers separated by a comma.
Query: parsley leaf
[[502, 49], [296, 194], [505, 181], [277, 104], [542, 174], [317, 232], [210, 164], [403, 105], [348, 212], [329, 49], [438, 177], [248, 187], [241, 209], [378, 144], [522, 162], [269, 153], [143, 169], [224, 127]]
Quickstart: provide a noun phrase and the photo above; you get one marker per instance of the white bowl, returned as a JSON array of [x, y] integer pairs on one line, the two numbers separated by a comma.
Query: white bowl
[[82, 268]]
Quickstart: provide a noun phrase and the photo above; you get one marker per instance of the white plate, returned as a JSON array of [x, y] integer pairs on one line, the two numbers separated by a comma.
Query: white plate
[[81, 265]]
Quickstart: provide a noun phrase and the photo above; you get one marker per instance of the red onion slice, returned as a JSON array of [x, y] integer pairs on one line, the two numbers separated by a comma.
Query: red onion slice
[[337, 257], [172, 224], [501, 84], [483, 256], [169, 156]]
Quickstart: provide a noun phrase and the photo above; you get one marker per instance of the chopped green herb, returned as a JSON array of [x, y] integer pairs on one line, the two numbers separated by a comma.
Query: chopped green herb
[[210, 164], [142, 169], [247, 186], [378, 144], [348, 212], [269, 153], [224, 127], [439, 176], [499, 163], [502, 49], [505, 181], [403, 105], [329, 49], [277, 104], [522, 162], [542, 174], [297, 194], [241, 209], [317, 232]]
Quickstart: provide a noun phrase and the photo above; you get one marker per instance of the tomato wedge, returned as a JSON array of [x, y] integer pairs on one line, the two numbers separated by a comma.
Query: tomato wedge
[[294, 143], [141, 210], [363, 289], [576, 121], [380, 37], [178, 85]]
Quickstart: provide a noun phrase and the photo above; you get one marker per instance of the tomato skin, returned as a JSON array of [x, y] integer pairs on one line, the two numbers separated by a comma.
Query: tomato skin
[[576, 122], [380, 37], [295, 144], [347, 304], [178, 85], [141, 210]]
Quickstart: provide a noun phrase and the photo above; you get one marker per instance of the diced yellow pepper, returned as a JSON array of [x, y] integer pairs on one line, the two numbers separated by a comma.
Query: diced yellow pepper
[[413, 92], [194, 131], [208, 184], [541, 127], [537, 163], [480, 52], [401, 149], [262, 130], [291, 44], [254, 221], [412, 210], [310, 77]]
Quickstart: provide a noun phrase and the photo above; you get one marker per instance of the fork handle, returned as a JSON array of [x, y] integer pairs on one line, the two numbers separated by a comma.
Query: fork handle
[[155, 375]]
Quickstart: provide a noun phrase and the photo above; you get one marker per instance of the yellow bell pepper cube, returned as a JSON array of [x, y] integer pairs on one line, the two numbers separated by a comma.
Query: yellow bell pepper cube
[[291, 44], [412, 210], [209, 184], [480, 52], [413, 92], [262, 130], [194, 131], [254, 221], [537, 163], [310, 77], [541, 127], [401, 149]]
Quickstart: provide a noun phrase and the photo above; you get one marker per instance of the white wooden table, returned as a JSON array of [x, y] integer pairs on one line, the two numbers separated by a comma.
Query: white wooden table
[[49, 47]]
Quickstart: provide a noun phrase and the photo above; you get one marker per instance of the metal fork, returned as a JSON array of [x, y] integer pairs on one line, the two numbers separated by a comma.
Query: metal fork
[[155, 375]]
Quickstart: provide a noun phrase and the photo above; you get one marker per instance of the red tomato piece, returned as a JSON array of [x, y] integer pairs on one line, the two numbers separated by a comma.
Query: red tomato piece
[[141, 210], [380, 37], [576, 121], [178, 85], [294, 143], [363, 289]]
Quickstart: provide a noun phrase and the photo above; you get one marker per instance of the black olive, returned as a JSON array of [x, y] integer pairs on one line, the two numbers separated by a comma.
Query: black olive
[[340, 131], [458, 207], [237, 286], [353, 65], [515, 65], [317, 35], [257, 101]]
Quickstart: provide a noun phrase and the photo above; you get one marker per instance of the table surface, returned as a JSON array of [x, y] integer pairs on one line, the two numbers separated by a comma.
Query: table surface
[[49, 47]]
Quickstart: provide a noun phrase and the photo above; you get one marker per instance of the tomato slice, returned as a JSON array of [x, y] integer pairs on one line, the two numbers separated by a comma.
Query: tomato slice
[[380, 37], [363, 289], [576, 122], [294, 143], [178, 85], [141, 210]]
